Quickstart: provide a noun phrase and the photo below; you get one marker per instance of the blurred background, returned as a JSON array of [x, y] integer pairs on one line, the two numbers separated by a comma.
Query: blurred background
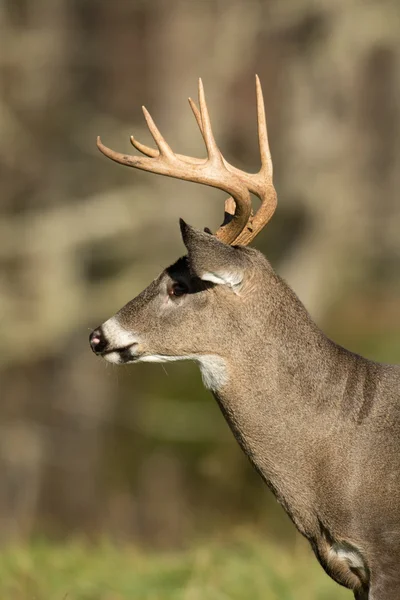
[[142, 454]]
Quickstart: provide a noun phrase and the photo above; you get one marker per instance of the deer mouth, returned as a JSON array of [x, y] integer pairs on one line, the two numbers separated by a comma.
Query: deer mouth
[[122, 355]]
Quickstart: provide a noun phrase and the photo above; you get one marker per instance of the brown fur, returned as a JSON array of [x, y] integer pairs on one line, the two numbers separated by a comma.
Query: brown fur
[[320, 424]]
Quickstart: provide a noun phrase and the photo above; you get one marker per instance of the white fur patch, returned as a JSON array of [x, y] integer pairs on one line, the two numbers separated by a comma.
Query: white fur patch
[[112, 357], [118, 336], [351, 557], [212, 368], [224, 278]]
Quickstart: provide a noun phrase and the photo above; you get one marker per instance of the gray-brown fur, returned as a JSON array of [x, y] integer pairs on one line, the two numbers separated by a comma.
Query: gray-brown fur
[[320, 424]]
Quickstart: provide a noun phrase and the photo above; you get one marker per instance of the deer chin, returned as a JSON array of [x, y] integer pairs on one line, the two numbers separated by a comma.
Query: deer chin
[[113, 357], [213, 368]]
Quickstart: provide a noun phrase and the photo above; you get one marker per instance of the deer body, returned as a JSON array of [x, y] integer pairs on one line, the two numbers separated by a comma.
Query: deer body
[[320, 424]]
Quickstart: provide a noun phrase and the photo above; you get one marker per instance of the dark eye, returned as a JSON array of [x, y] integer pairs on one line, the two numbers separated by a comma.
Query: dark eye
[[177, 289]]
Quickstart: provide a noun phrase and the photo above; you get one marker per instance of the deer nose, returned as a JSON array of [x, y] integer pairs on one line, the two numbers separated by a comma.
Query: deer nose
[[97, 340]]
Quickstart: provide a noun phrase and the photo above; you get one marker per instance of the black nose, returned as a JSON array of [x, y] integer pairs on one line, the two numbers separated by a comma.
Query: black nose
[[97, 340]]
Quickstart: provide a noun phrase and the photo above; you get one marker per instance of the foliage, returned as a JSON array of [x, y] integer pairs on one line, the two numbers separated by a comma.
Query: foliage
[[243, 567]]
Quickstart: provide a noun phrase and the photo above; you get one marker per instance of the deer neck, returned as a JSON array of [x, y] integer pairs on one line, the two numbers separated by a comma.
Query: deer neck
[[274, 399]]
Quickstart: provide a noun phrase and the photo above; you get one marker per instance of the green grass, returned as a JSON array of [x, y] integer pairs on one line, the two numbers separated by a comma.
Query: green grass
[[245, 568]]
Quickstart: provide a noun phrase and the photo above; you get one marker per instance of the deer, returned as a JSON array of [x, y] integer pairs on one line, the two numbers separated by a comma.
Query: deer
[[320, 424]]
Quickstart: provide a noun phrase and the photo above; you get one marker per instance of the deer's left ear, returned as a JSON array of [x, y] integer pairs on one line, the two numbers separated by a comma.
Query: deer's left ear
[[212, 260]]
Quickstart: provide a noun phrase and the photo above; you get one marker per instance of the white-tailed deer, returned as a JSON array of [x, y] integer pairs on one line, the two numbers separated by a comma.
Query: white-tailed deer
[[320, 424]]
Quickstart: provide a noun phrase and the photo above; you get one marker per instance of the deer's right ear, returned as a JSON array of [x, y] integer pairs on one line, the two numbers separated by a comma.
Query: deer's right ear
[[213, 260]]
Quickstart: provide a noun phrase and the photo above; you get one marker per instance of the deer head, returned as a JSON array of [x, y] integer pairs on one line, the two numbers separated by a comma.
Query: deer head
[[200, 307]]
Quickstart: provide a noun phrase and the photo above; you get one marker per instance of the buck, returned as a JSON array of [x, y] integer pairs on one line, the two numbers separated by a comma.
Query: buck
[[320, 424]]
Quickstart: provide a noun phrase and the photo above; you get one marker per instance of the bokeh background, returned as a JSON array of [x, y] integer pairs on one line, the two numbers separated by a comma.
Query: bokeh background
[[141, 455]]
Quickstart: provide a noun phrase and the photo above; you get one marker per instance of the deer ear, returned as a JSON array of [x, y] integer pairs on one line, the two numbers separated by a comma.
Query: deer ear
[[212, 260]]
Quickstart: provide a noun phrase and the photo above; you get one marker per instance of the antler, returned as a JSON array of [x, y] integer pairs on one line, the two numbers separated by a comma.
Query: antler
[[240, 225]]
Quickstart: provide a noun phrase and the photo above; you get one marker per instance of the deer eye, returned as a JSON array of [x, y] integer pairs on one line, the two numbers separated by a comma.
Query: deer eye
[[177, 289]]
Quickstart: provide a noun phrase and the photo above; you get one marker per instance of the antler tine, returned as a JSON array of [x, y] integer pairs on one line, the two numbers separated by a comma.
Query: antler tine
[[232, 209], [230, 204], [152, 152], [261, 183], [196, 113], [162, 145], [206, 129], [265, 154]]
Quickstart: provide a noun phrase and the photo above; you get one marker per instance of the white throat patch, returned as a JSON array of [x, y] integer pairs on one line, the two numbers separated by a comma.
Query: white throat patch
[[213, 368]]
